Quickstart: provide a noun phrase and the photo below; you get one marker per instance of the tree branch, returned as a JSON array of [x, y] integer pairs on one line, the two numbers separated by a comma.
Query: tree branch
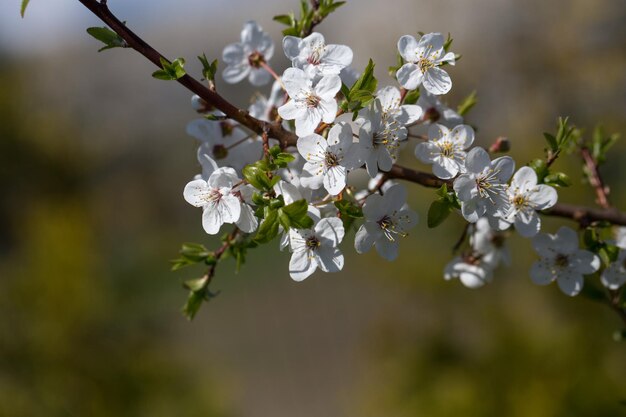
[[583, 215]]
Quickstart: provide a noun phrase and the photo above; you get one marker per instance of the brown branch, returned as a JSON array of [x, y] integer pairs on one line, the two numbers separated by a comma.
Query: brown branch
[[274, 130], [595, 179]]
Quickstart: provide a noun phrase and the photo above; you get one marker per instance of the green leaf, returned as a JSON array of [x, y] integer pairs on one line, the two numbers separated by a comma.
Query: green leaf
[[540, 167], [193, 253], [268, 228], [109, 38], [552, 143], [467, 104], [285, 19], [295, 215], [24, 6], [208, 68], [170, 71], [557, 179], [197, 284], [438, 211], [412, 97], [259, 178], [194, 302], [367, 81]]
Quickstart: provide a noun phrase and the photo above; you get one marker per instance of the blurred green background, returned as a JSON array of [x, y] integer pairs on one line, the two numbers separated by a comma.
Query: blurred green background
[[93, 159]]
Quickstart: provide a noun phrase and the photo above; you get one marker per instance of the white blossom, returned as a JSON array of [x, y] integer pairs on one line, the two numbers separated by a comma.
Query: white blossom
[[266, 108], [482, 188], [423, 60], [243, 59], [316, 248], [309, 104], [614, 276], [437, 112], [393, 110], [386, 219], [526, 197], [562, 260], [215, 195], [225, 142], [472, 272], [379, 140], [445, 149], [488, 243], [314, 57], [329, 159]]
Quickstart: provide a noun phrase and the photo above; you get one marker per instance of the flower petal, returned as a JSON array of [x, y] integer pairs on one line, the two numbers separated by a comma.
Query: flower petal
[[301, 265], [409, 76], [437, 81], [330, 228], [195, 193]]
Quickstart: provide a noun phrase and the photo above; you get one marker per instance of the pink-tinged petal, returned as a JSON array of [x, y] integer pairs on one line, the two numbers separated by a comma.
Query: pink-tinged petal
[[387, 249], [541, 273], [234, 54], [409, 76], [301, 265], [407, 46], [571, 283], [308, 122], [259, 76], [543, 197], [528, 227], [367, 234], [211, 220], [477, 160], [462, 135], [331, 229], [328, 87], [584, 262], [329, 259], [196, 193], [335, 180], [235, 73], [295, 80], [291, 110]]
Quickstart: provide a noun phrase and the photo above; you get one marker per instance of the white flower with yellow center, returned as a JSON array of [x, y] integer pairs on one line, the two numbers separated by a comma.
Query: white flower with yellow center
[[314, 57], [526, 197], [316, 248], [423, 60], [386, 219], [562, 260], [309, 104], [445, 149], [244, 59]]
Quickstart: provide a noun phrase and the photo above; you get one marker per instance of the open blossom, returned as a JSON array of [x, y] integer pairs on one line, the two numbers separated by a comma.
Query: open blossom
[[266, 108], [489, 243], [379, 140], [423, 60], [614, 276], [482, 188], [314, 57], [316, 248], [309, 104], [329, 159], [525, 198], [445, 149], [393, 110], [225, 142], [243, 59], [562, 260], [473, 272], [386, 219], [221, 201]]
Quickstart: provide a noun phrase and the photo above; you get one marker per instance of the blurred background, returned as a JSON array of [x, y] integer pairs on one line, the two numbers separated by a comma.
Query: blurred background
[[93, 160]]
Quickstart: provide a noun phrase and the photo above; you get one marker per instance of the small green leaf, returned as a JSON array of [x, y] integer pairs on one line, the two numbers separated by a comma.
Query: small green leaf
[[295, 215], [438, 211], [412, 97], [540, 167], [557, 179], [285, 19], [24, 6], [197, 284], [259, 178], [268, 228], [170, 71], [467, 104], [208, 69], [194, 302], [109, 38]]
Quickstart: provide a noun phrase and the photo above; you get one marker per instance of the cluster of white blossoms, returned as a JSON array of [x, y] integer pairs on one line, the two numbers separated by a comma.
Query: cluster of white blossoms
[[334, 141]]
